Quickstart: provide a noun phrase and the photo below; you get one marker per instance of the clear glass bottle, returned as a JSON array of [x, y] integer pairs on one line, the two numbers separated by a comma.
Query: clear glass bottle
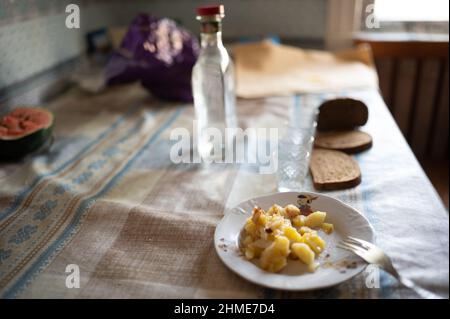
[[213, 83]]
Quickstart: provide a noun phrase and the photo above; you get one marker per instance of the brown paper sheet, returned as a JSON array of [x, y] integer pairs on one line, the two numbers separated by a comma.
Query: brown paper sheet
[[266, 69]]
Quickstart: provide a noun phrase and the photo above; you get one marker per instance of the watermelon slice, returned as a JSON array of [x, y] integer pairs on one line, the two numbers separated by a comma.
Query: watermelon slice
[[24, 130]]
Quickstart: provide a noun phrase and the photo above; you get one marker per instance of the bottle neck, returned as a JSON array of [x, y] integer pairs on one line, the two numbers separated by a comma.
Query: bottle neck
[[211, 34], [211, 39]]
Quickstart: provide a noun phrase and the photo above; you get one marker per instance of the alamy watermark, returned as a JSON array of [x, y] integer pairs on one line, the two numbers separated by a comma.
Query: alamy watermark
[[73, 17], [371, 21], [372, 276], [73, 277], [257, 146]]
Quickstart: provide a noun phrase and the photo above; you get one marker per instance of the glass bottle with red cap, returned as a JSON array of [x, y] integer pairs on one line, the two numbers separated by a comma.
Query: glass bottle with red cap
[[213, 85]]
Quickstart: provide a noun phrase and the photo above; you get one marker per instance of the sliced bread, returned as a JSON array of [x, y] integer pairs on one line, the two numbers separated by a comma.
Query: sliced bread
[[342, 114], [333, 170], [346, 141]]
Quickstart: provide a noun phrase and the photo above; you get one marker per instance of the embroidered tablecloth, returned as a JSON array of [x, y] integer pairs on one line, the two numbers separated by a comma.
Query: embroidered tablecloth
[[107, 198]]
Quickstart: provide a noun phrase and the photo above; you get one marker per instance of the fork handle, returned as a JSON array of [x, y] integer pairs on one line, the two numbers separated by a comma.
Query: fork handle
[[409, 284]]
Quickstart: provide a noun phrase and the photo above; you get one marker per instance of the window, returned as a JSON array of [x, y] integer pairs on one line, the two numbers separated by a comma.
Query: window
[[411, 10], [405, 16]]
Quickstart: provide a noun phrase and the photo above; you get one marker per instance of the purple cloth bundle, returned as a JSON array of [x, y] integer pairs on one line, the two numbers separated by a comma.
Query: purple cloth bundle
[[159, 54]]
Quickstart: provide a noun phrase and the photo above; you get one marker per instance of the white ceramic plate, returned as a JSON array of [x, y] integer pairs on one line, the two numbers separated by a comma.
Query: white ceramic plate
[[336, 265]]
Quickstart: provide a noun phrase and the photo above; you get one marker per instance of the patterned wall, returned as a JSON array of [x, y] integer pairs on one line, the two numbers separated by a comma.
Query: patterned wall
[[14, 11], [33, 36]]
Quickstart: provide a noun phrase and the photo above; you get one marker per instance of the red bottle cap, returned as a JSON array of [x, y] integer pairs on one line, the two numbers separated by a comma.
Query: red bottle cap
[[211, 10]]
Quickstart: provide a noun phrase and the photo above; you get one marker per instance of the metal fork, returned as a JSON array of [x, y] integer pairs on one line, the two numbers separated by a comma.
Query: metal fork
[[374, 255]]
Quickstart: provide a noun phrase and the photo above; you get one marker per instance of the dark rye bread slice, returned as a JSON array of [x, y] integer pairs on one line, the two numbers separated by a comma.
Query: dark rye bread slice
[[346, 141], [332, 170], [342, 114]]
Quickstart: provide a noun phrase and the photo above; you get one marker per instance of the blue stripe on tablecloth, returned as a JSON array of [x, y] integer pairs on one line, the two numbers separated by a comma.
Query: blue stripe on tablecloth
[[385, 290], [85, 204], [22, 195]]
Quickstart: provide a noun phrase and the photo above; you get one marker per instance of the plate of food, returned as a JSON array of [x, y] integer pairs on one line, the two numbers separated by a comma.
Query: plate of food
[[289, 240]]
